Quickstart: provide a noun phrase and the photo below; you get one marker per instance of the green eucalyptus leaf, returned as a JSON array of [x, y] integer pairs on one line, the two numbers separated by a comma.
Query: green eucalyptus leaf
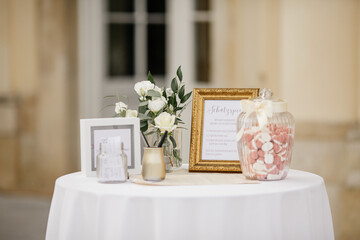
[[143, 125], [154, 115], [182, 92], [179, 73], [142, 109], [186, 97], [172, 139], [151, 78], [174, 85], [143, 117], [145, 103], [153, 93], [175, 153], [171, 101], [110, 96], [178, 120]]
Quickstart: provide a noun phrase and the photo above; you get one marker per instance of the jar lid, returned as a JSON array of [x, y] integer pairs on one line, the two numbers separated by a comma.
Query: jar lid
[[263, 106], [278, 105]]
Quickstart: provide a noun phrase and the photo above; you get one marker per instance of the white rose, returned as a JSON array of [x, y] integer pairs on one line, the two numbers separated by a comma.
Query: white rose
[[165, 122], [131, 113], [159, 90], [169, 92], [141, 88], [120, 106], [157, 104]]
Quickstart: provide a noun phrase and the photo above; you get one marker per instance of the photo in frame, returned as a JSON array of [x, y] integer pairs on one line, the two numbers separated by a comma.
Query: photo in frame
[[213, 147], [115, 132]]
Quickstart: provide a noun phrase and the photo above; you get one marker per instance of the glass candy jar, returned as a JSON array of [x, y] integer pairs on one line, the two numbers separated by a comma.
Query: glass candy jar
[[265, 137]]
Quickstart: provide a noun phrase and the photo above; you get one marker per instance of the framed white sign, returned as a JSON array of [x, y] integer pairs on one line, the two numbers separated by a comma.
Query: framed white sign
[[219, 130], [94, 131], [213, 130]]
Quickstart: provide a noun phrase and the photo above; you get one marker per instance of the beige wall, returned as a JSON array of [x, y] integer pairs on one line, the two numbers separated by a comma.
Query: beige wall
[[38, 93], [319, 59], [246, 44], [308, 52]]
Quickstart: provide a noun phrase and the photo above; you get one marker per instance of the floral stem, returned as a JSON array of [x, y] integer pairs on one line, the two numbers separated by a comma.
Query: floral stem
[[172, 164]]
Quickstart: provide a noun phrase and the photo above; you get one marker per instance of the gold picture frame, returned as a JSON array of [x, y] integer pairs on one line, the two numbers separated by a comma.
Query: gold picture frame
[[200, 95]]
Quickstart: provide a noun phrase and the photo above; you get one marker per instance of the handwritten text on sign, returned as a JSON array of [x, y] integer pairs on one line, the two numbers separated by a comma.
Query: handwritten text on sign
[[219, 130]]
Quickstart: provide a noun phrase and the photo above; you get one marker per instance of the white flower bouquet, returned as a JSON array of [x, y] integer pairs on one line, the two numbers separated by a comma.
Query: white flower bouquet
[[159, 109]]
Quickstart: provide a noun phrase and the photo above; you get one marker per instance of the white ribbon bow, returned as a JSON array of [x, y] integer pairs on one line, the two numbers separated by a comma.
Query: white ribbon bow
[[262, 109]]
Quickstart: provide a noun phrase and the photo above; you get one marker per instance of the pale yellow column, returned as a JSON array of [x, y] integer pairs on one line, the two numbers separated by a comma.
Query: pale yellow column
[[4, 45], [246, 44], [319, 52], [38, 69], [57, 118], [22, 48], [358, 62]]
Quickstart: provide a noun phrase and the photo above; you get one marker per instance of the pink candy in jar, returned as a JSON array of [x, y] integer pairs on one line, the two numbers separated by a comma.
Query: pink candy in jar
[[265, 137]]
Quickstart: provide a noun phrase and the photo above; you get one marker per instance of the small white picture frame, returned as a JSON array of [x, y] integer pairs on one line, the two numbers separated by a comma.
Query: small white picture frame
[[93, 130]]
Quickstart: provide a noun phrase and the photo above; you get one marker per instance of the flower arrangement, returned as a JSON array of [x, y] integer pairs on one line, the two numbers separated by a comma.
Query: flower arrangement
[[121, 110], [159, 109]]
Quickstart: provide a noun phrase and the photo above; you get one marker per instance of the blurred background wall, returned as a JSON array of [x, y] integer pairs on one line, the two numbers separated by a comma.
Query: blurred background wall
[[38, 93], [58, 58]]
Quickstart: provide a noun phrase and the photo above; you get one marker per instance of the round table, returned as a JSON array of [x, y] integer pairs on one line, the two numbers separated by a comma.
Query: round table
[[294, 208]]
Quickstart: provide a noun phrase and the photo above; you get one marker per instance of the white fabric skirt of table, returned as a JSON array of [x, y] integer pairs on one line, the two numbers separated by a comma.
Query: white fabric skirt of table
[[295, 208]]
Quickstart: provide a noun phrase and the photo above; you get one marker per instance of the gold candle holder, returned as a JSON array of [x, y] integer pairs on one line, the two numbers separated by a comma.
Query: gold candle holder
[[153, 165]]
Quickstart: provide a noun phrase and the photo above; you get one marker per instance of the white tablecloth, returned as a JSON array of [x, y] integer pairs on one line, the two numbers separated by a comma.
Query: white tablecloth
[[295, 208]]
